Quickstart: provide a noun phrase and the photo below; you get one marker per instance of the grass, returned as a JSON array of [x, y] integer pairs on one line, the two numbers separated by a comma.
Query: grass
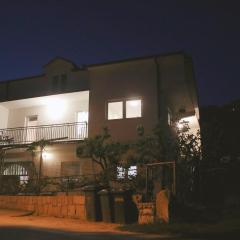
[[228, 228]]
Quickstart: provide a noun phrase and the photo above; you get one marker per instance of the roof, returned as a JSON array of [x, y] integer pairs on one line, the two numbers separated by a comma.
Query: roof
[[136, 58], [99, 64]]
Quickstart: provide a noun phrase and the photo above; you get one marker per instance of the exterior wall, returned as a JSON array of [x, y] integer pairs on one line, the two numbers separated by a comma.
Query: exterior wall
[[3, 117], [42, 85], [161, 82], [54, 156], [55, 206], [17, 116], [121, 82], [172, 78]]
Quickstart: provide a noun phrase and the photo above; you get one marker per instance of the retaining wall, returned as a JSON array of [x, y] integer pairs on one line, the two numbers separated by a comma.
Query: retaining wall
[[71, 206]]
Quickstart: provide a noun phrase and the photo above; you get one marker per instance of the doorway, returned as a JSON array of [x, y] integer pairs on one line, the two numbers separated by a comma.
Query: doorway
[[31, 124]]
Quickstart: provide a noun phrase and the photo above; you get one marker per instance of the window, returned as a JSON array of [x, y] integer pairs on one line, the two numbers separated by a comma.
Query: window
[[71, 168], [82, 117], [169, 117], [55, 81], [120, 173], [82, 121], [63, 81], [133, 108], [132, 171], [59, 82], [115, 110], [128, 173]]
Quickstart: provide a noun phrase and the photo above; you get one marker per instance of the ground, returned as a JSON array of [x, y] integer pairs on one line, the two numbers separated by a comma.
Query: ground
[[17, 225], [22, 226]]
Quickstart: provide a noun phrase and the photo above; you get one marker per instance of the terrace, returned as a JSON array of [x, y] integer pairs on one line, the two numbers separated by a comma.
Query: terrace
[[62, 116]]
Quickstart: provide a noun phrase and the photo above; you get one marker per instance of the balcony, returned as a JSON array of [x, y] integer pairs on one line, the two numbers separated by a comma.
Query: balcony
[[62, 132]]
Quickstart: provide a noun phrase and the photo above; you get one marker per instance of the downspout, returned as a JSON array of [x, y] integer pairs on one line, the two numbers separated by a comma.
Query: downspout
[[159, 92]]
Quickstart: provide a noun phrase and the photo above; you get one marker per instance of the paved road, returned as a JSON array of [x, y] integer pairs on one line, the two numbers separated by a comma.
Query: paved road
[[23, 233], [15, 225]]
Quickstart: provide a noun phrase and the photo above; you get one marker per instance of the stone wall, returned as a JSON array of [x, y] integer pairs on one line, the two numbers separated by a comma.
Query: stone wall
[[162, 205], [71, 206], [146, 212]]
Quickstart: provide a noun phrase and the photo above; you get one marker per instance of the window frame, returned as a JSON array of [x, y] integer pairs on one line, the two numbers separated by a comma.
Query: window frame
[[115, 101], [133, 99], [124, 101]]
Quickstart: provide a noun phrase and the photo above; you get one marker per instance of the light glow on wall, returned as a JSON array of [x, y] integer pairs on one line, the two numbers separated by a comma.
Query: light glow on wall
[[56, 108], [46, 155], [191, 122]]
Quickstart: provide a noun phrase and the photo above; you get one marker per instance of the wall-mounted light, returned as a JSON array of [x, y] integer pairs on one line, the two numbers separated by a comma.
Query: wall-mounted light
[[46, 155]]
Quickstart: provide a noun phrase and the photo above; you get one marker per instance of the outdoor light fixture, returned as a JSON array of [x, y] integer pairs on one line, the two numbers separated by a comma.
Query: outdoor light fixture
[[189, 123], [46, 155]]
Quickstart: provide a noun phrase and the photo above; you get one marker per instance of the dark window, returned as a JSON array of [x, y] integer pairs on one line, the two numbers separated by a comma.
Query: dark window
[[59, 82], [55, 83], [71, 168], [63, 81]]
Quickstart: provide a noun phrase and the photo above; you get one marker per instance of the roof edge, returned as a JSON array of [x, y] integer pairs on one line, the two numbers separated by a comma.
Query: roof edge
[[136, 59]]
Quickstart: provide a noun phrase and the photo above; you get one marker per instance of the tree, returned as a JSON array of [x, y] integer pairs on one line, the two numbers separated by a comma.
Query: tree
[[155, 147], [167, 144], [103, 151], [188, 164]]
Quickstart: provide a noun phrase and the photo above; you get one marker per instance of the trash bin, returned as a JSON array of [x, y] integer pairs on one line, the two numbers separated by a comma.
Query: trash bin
[[125, 210], [119, 206], [106, 205], [92, 203]]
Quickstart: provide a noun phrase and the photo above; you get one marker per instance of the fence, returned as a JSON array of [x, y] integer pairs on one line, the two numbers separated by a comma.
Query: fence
[[14, 185]]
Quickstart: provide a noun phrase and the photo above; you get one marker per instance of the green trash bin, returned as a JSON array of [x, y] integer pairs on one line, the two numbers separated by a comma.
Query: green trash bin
[[125, 210], [92, 203], [106, 205]]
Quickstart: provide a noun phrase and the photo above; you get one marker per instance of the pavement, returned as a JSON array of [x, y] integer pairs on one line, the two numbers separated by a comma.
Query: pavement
[[19, 225]]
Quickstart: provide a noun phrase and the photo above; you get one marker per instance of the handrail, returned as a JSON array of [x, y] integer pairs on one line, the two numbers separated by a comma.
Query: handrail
[[44, 125], [68, 131]]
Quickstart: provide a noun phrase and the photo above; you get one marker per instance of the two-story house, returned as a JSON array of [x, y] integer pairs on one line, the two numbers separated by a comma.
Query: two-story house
[[67, 103]]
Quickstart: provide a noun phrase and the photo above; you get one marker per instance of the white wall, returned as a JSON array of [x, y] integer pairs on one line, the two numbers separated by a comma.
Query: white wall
[[3, 117], [192, 122], [17, 116]]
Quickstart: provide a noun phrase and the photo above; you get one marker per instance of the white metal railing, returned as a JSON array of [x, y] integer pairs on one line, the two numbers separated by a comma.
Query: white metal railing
[[66, 131]]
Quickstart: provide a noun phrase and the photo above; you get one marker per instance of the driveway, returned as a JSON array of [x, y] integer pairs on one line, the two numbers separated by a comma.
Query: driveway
[[16, 225]]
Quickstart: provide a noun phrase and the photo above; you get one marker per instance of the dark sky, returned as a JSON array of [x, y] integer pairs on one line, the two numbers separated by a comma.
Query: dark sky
[[93, 31]]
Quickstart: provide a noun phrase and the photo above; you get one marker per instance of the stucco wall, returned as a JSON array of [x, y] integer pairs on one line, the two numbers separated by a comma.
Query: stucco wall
[[3, 117], [17, 116], [123, 81], [56, 206], [55, 155]]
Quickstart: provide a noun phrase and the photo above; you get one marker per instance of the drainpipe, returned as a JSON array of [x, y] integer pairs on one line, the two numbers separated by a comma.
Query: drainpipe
[[160, 98]]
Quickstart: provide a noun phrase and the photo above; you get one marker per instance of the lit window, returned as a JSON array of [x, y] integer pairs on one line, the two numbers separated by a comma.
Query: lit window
[[115, 110], [133, 108], [82, 117], [169, 118], [132, 171], [120, 173]]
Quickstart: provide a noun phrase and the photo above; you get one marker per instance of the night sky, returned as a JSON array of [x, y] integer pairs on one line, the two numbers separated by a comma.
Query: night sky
[[93, 31]]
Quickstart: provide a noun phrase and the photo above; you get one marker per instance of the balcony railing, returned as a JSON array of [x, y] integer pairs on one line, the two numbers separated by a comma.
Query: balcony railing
[[24, 135]]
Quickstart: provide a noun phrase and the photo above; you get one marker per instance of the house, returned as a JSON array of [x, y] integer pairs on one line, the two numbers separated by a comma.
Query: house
[[67, 103]]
